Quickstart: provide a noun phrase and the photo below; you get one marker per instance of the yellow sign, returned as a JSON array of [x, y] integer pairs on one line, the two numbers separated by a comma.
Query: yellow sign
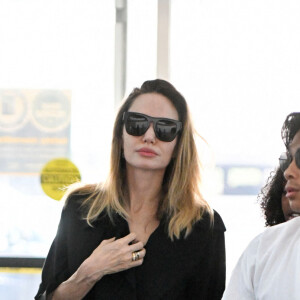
[[58, 174]]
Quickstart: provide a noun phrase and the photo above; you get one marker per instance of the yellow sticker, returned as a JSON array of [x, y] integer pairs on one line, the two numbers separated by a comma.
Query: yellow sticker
[[58, 174]]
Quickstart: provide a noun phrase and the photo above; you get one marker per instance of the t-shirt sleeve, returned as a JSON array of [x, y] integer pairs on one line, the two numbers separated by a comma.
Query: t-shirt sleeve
[[240, 285], [208, 281], [55, 269]]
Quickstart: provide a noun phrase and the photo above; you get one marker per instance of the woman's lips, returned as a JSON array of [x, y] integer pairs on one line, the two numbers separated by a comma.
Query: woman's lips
[[147, 152], [291, 192]]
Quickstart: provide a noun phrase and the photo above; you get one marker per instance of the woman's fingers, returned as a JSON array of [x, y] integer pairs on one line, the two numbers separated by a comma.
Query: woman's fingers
[[135, 251], [139, 254], [108, 240], [125, 243], [137, 258], [128, 238], [115, 255], [137, 246]]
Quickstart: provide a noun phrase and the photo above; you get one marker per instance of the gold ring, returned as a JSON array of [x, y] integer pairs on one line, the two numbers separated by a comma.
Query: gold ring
[[135, 255]]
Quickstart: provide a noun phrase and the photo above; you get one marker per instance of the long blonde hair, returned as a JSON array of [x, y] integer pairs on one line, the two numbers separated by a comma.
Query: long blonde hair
[[182, 202]]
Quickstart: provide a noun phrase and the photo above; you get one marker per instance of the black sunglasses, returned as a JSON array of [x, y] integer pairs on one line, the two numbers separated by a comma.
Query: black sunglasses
[[286, 158], [165, 129]]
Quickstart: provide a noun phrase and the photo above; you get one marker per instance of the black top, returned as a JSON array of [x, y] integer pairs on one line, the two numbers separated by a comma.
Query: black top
[[186, 268]]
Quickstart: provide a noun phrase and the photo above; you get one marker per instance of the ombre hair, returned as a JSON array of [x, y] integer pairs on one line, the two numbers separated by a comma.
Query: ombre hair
[[182, 202]]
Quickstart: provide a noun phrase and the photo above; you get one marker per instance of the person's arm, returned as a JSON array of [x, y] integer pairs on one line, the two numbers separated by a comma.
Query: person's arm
[[217, 267], [109, 257], [55, 268], [207, 280]]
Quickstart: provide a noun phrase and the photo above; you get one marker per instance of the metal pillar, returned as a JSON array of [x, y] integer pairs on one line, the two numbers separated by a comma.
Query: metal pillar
[[120, 50], [163, 39]]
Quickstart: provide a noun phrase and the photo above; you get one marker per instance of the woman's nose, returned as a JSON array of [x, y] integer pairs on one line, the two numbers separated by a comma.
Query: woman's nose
[[291, 171], [149, 136]]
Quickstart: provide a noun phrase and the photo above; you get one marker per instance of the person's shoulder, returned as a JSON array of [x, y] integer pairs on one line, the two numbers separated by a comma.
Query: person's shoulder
[[281, 232], [272, 238], [218, 222], [212, 221], [284, 227], [76, 195], [253, 245]]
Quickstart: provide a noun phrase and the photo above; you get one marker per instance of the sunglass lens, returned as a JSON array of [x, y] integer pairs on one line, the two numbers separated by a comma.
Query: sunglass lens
[[166, 130], [136, 124], [297, 158]]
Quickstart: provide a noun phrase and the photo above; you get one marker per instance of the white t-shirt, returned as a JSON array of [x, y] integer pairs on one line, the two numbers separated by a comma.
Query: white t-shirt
[[269, 268]]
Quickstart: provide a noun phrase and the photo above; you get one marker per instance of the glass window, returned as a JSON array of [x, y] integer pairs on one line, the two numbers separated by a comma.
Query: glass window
[[238, 65], [56, 100], [141, 42]]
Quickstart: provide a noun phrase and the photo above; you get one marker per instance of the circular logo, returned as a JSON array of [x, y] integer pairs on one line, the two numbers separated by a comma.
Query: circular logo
[[14, 112], [51, 110], [58, 174]]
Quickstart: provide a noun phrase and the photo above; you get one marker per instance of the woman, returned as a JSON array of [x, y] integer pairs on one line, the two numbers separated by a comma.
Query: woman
[[273, 200], [147, 233]]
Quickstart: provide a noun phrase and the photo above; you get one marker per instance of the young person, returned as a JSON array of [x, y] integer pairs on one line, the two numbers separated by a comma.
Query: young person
[[269, 268], [273, 201], [147, 232]]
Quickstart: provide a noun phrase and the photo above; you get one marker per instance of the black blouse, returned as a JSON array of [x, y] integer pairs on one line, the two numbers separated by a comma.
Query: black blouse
[[186, 268]]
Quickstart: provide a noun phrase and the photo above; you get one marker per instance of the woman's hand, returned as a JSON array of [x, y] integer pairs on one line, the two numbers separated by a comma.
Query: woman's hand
[[113, 256], [109, 257]]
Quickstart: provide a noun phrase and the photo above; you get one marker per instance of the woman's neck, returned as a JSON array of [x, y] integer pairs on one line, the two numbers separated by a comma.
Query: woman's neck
[[144, 190]]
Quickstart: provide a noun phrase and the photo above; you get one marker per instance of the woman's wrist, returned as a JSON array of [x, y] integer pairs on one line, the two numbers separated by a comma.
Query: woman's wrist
[[79, 284], [87, 273]]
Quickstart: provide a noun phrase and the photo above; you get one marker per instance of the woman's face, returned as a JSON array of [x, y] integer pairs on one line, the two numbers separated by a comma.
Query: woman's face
[[292, 175], [147, 152]]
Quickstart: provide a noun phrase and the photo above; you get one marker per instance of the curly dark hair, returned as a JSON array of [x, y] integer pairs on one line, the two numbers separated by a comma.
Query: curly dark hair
[[271, 193], [270, 198], [290, 127]]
